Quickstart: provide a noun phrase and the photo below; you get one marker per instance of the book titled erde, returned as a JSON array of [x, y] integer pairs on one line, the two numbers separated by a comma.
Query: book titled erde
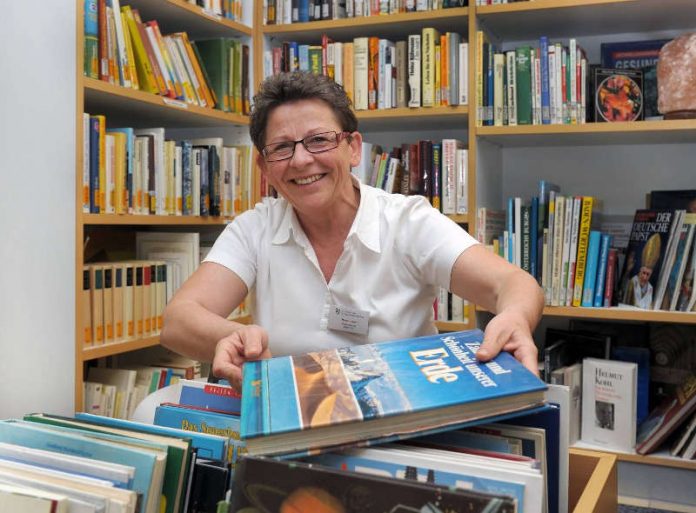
[[378, 392]]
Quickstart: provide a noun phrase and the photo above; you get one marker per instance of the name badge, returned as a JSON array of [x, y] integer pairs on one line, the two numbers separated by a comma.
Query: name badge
[[349, 320]]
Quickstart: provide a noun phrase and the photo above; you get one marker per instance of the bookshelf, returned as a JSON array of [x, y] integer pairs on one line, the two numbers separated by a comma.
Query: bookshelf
[[493, 151], [614, 161], [135, 108]]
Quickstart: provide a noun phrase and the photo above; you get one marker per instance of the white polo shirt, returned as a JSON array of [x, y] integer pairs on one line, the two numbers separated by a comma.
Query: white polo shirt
[[397, 253]]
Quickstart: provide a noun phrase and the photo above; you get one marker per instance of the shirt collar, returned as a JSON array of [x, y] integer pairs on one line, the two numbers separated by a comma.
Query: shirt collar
[[365, 226]]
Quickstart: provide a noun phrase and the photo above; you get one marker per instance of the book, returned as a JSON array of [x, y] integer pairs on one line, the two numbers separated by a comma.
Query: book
[[644, 256], [149, 464], [299, 486], [566, 347], [31, 500], [618, 95], [609, 404], [401, 462], [403, 387], [214, 396], [667, 417]]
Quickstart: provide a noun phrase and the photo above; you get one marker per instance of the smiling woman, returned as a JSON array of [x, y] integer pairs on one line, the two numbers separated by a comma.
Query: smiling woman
[[333, 262]]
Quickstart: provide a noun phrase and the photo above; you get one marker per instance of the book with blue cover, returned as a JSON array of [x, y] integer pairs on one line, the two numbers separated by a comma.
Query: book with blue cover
[[94, 445], [212, 396], [199, 420], [378, 392], [208, 446]]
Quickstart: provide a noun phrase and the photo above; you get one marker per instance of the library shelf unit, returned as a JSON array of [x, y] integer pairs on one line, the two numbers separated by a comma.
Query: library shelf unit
[[129, 107], [593, 158]]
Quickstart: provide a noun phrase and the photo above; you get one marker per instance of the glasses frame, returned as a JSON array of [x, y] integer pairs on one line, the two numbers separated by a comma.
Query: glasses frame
[[339, 137]]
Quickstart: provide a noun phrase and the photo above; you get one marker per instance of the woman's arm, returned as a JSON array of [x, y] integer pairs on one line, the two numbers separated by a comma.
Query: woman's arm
[[486, 279], [195, 320]]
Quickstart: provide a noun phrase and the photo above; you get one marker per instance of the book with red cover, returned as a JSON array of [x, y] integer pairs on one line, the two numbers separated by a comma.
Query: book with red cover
[[669, 415]]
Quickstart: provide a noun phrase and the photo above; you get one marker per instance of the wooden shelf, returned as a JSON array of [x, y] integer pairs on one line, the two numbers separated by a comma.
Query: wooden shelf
[[386, 26], [92, 353], [575, 18], [460, 219], [128, 220], [617, 314], [592, 134], [152, 110], [454, 117], [660, 458], [621, 314], [181, 16], [452, 325]]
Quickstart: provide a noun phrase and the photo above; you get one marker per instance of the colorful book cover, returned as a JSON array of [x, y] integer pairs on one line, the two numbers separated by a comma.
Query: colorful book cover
[[298, 486], [631, 54], [423, 383], [402, 464], [646, 248], [591, 268], [203, 421]]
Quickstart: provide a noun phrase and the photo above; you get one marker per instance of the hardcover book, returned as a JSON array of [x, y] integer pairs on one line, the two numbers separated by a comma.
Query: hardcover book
[[618, 94], [667, 417], [303, 487], [644, 256], [609, 404], [383, 391]]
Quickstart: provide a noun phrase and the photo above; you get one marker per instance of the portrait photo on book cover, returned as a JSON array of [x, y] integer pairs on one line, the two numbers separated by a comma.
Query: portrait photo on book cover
[[604, 415]]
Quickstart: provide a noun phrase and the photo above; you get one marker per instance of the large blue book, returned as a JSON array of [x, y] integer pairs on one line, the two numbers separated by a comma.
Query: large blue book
[[378, 392]]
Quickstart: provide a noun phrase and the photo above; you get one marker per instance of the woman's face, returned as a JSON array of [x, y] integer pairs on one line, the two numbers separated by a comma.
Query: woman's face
[[311, 182]]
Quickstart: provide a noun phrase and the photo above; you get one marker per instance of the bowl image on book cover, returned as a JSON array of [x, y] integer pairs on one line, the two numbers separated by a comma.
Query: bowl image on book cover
[[618, 95]]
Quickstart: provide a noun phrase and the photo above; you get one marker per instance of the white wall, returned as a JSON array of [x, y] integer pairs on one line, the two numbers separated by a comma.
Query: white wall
[[37, 207]]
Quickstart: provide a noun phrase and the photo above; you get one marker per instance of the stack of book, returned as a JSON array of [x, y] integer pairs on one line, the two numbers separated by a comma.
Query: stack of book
[[418, 417], [412, 423]]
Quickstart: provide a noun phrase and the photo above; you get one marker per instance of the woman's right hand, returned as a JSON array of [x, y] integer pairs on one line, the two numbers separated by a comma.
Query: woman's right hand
[[246, 344]]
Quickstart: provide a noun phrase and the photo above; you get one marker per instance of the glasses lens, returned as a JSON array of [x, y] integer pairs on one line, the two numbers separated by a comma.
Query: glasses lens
[[279, 151], [321, 142]]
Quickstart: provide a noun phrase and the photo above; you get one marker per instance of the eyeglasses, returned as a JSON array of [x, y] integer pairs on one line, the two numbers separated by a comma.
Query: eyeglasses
[[315, 143]]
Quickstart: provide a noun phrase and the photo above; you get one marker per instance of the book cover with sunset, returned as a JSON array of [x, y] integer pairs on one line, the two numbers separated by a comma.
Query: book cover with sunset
[[388, 389]]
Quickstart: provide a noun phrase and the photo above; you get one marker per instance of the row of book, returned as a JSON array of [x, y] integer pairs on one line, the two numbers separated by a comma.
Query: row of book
[[124, 300], [228, 9], [283, 12], [120, 48], [526, 85], [116, 386], [428, 69], [436, 170], [450, 307], [498, 2], [618, 401], [660, 263], [139, 171]]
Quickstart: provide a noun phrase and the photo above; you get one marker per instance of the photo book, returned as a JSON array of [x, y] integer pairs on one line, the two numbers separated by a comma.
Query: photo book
[[379, 392]]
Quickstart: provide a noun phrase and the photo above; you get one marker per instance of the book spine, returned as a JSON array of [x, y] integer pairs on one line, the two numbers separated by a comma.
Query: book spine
[[610, 277], [591, 269], [602, 270], [583, 239]]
